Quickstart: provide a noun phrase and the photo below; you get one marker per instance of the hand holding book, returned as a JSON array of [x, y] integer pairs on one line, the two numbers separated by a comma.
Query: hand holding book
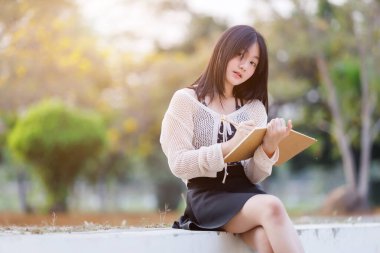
[[290, 142], [243, 129], [277, 130]]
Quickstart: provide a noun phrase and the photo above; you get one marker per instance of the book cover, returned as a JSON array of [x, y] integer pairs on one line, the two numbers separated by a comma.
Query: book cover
[[289, 147]]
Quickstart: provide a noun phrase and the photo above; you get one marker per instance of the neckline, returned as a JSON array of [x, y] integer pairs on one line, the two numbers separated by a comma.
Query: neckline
[[212, 111]]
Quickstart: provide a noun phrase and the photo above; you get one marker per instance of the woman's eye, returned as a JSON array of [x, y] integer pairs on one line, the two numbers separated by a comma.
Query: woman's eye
[[253, 63]]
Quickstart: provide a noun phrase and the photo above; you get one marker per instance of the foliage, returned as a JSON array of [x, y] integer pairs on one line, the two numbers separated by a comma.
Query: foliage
[[58, 140], [46, 51], [295, 78], [334, 49]]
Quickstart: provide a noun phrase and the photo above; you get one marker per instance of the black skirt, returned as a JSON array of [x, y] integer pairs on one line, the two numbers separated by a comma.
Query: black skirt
[[210, 204]]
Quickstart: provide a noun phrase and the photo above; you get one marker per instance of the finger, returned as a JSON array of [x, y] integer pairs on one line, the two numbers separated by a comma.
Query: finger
[[283, 126], [244, 132], [246, 128], [249, 123], [290, 126], [269, 125], [278, 124], [272, 122], [283, 123], [278, 120]]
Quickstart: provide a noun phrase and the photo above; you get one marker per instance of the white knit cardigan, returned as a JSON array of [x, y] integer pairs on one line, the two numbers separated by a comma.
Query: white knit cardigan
[[189, 138]]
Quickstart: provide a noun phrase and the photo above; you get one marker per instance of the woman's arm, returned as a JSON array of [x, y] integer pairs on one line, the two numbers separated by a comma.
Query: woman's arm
[[260, 167], [176, 139]]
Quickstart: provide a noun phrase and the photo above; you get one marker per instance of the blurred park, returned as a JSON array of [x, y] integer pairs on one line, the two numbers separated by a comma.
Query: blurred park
[[84, 86]]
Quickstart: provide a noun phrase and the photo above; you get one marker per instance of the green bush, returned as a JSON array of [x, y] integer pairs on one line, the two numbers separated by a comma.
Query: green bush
[[58, 140]]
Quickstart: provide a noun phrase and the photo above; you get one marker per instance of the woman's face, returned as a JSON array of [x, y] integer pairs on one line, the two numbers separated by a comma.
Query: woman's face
[[242, 66]]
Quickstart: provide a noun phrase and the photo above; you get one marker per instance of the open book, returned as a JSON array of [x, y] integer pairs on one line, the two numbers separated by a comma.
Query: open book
[[293, 144]]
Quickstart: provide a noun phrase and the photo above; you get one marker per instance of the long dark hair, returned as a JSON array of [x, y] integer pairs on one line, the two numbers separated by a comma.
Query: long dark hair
[[232, 42]]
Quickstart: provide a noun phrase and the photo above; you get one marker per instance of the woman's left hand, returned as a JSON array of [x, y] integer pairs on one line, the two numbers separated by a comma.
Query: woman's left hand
[[277, 130]]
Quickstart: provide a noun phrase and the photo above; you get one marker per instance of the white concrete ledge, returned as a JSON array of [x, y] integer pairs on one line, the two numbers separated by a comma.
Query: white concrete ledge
[[326, 238]]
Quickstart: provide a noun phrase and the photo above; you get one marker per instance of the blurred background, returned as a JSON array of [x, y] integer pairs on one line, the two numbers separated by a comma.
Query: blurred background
[[84, 86]]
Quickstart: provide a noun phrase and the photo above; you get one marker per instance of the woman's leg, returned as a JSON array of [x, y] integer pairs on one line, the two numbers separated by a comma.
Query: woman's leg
[[267, 211], [257, 239]]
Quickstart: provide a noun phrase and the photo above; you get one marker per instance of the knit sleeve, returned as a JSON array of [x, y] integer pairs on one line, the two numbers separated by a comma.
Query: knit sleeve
[[176, 139], [260, 165]]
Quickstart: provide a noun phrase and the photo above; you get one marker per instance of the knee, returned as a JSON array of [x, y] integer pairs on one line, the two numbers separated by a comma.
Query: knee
[[274, 210]]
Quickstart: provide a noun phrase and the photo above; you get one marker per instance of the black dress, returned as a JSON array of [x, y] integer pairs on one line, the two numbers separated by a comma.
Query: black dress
[[210, 203]]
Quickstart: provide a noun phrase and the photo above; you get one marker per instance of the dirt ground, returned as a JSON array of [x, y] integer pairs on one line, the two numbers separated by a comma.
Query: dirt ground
[[76, 219], [146, 219]]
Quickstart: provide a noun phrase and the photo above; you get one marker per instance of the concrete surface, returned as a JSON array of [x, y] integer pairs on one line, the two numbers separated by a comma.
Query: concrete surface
[[326, 238]]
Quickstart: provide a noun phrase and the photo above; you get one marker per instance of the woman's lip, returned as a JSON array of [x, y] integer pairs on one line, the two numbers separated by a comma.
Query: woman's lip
[[237, 74]]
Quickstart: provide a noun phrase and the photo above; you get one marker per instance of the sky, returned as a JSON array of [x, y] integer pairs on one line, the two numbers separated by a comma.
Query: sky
[[108, 16], [113, 19]]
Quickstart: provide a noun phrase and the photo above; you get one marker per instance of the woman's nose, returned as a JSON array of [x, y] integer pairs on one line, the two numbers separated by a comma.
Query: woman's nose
[[243, 66]]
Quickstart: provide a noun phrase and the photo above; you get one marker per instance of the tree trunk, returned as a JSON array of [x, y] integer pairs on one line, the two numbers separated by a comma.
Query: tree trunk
[[58, 199], [22, 185], [102, 193], [367, 105], [342, 139], [332, 101]]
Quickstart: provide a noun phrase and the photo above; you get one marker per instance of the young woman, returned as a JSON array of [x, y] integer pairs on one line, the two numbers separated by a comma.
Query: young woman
[[204, 122]]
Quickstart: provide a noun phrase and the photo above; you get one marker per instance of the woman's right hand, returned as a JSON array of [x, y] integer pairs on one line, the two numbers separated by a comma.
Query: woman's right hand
[[243, 129]]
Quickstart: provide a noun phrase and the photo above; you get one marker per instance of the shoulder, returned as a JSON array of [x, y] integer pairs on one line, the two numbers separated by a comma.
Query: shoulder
[[183, 100], [257, 105], [187, 92], [256, 110], [185, 95]]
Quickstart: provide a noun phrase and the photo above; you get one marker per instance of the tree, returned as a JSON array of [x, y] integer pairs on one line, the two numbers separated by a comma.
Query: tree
[[59, 141], [47, 51], [341, 39], [355, 194]]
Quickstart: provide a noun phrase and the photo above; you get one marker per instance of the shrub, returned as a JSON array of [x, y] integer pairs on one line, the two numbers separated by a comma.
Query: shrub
[[58, 140]]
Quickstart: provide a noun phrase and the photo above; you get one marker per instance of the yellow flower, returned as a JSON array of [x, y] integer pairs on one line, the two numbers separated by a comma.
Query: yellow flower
[[130, 125]]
